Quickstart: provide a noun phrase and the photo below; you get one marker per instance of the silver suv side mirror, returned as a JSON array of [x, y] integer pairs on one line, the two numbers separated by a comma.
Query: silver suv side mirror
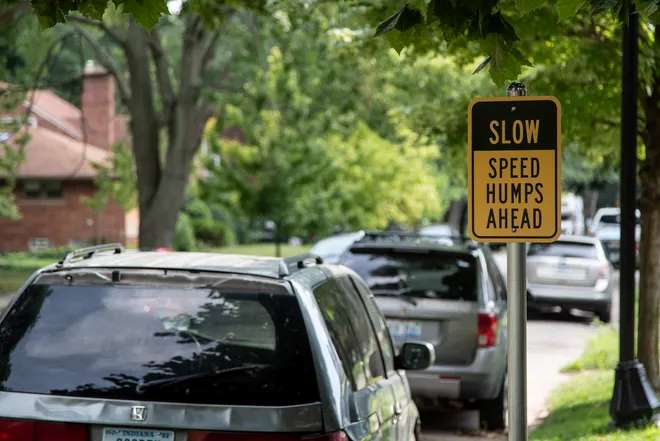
[[417, 355]]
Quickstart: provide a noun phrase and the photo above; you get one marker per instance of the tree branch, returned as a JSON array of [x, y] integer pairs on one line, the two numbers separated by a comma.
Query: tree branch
[[118, 38], [144, 121], [162, 67], [106, 61], [209, 48]]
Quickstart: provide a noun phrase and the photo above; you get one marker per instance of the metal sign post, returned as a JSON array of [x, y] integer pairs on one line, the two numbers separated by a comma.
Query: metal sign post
[[514, 196], [516, 276], [516, 279]]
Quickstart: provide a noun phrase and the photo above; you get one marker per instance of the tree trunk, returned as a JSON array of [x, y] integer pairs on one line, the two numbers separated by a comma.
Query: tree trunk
[[649, 298], [649, 289], [163, 175], [162, 170]]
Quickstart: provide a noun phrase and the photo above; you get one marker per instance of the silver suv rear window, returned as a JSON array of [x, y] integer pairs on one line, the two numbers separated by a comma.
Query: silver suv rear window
[[432, 275], [564, 249], [219, 345]]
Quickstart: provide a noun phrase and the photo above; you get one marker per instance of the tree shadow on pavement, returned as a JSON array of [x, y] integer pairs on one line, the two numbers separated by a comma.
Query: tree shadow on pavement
[[455, 424]]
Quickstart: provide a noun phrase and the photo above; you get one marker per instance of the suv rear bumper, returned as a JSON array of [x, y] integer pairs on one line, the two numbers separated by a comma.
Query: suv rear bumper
[[480, 380], [570, 296]]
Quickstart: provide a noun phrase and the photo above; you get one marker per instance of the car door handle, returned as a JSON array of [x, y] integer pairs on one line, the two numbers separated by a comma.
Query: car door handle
[[398, 410]]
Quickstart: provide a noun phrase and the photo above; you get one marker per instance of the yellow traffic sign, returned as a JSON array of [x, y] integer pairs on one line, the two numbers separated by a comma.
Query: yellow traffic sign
[[514, 152]]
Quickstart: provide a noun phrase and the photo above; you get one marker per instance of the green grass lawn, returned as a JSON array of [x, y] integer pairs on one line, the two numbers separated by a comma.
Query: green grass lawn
[[16, 267], [602, 352], [12, 279], [579, 409]]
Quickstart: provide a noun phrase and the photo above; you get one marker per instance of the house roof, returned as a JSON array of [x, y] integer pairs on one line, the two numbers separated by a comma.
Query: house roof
[[57, 111], [49, 154]]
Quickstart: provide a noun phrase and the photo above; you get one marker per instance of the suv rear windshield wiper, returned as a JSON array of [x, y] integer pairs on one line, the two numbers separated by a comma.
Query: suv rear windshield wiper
[[180, 379]]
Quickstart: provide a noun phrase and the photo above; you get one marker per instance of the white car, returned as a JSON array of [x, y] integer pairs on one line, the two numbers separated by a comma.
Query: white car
[[606, 226]]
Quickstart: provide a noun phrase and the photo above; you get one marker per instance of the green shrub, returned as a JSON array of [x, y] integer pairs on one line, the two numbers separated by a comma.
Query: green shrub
[[212, 226], [184, 234]]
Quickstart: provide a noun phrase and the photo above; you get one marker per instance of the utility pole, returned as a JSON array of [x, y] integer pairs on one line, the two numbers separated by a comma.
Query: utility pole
[[633, 398]]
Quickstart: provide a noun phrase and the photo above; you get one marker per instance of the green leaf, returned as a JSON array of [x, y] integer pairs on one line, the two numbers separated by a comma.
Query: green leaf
[[505, 60], [146, 12], [114, 15], [568, 8], [404, 19], [389, 23], [527, 6], [482, 65], [647, 9], [420, 5]]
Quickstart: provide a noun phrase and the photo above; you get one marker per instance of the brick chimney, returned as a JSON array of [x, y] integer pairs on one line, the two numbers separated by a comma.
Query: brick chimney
[[98, 106]]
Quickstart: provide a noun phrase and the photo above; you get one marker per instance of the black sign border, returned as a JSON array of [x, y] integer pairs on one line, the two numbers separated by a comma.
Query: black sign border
[[557, 150]]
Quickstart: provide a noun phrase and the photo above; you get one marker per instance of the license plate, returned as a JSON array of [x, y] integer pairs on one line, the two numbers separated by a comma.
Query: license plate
[[403, 330], [562, 273], [136, 434]]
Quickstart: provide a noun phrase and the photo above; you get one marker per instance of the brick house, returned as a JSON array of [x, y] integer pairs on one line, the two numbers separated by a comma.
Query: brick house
[[58, 171]]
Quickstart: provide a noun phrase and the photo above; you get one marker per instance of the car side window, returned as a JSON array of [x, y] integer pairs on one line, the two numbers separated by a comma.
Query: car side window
[[370, 347], [379, 324], [495, 276], [351, 334]]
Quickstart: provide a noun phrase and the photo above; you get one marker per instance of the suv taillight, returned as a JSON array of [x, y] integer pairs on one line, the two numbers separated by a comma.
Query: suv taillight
[[15, 430], [260, 436], [487, 330]]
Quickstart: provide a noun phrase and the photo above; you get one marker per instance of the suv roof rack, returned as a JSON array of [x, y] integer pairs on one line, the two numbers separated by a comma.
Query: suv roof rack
[[89, 252], [289, 265], [408, 235]]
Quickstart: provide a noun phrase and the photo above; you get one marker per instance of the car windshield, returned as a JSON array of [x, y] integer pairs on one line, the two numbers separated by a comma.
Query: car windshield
[[434, 275], [564, 249], [216, 345]]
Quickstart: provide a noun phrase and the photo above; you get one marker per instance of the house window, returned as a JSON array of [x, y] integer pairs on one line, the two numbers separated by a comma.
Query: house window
[[38, 243], [42, 189]]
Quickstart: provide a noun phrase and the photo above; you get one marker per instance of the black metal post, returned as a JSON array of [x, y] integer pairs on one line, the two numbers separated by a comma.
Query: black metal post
[[628, 187], [633, 398]]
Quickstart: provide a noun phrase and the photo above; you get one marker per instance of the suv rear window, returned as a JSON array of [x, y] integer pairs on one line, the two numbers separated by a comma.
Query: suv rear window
[[564, 249], [219, 345], [610, 219], [433, 275]]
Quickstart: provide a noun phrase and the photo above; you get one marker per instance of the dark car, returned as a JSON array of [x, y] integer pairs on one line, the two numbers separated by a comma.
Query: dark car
[[448, 292], [110, 345]]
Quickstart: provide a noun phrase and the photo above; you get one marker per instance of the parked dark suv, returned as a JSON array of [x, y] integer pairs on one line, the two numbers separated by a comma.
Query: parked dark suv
[[110, 345], [449, 292]]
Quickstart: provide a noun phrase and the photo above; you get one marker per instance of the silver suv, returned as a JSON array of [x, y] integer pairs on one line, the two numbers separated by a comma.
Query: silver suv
[[572, 272], [110, 345], [448, 292]]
